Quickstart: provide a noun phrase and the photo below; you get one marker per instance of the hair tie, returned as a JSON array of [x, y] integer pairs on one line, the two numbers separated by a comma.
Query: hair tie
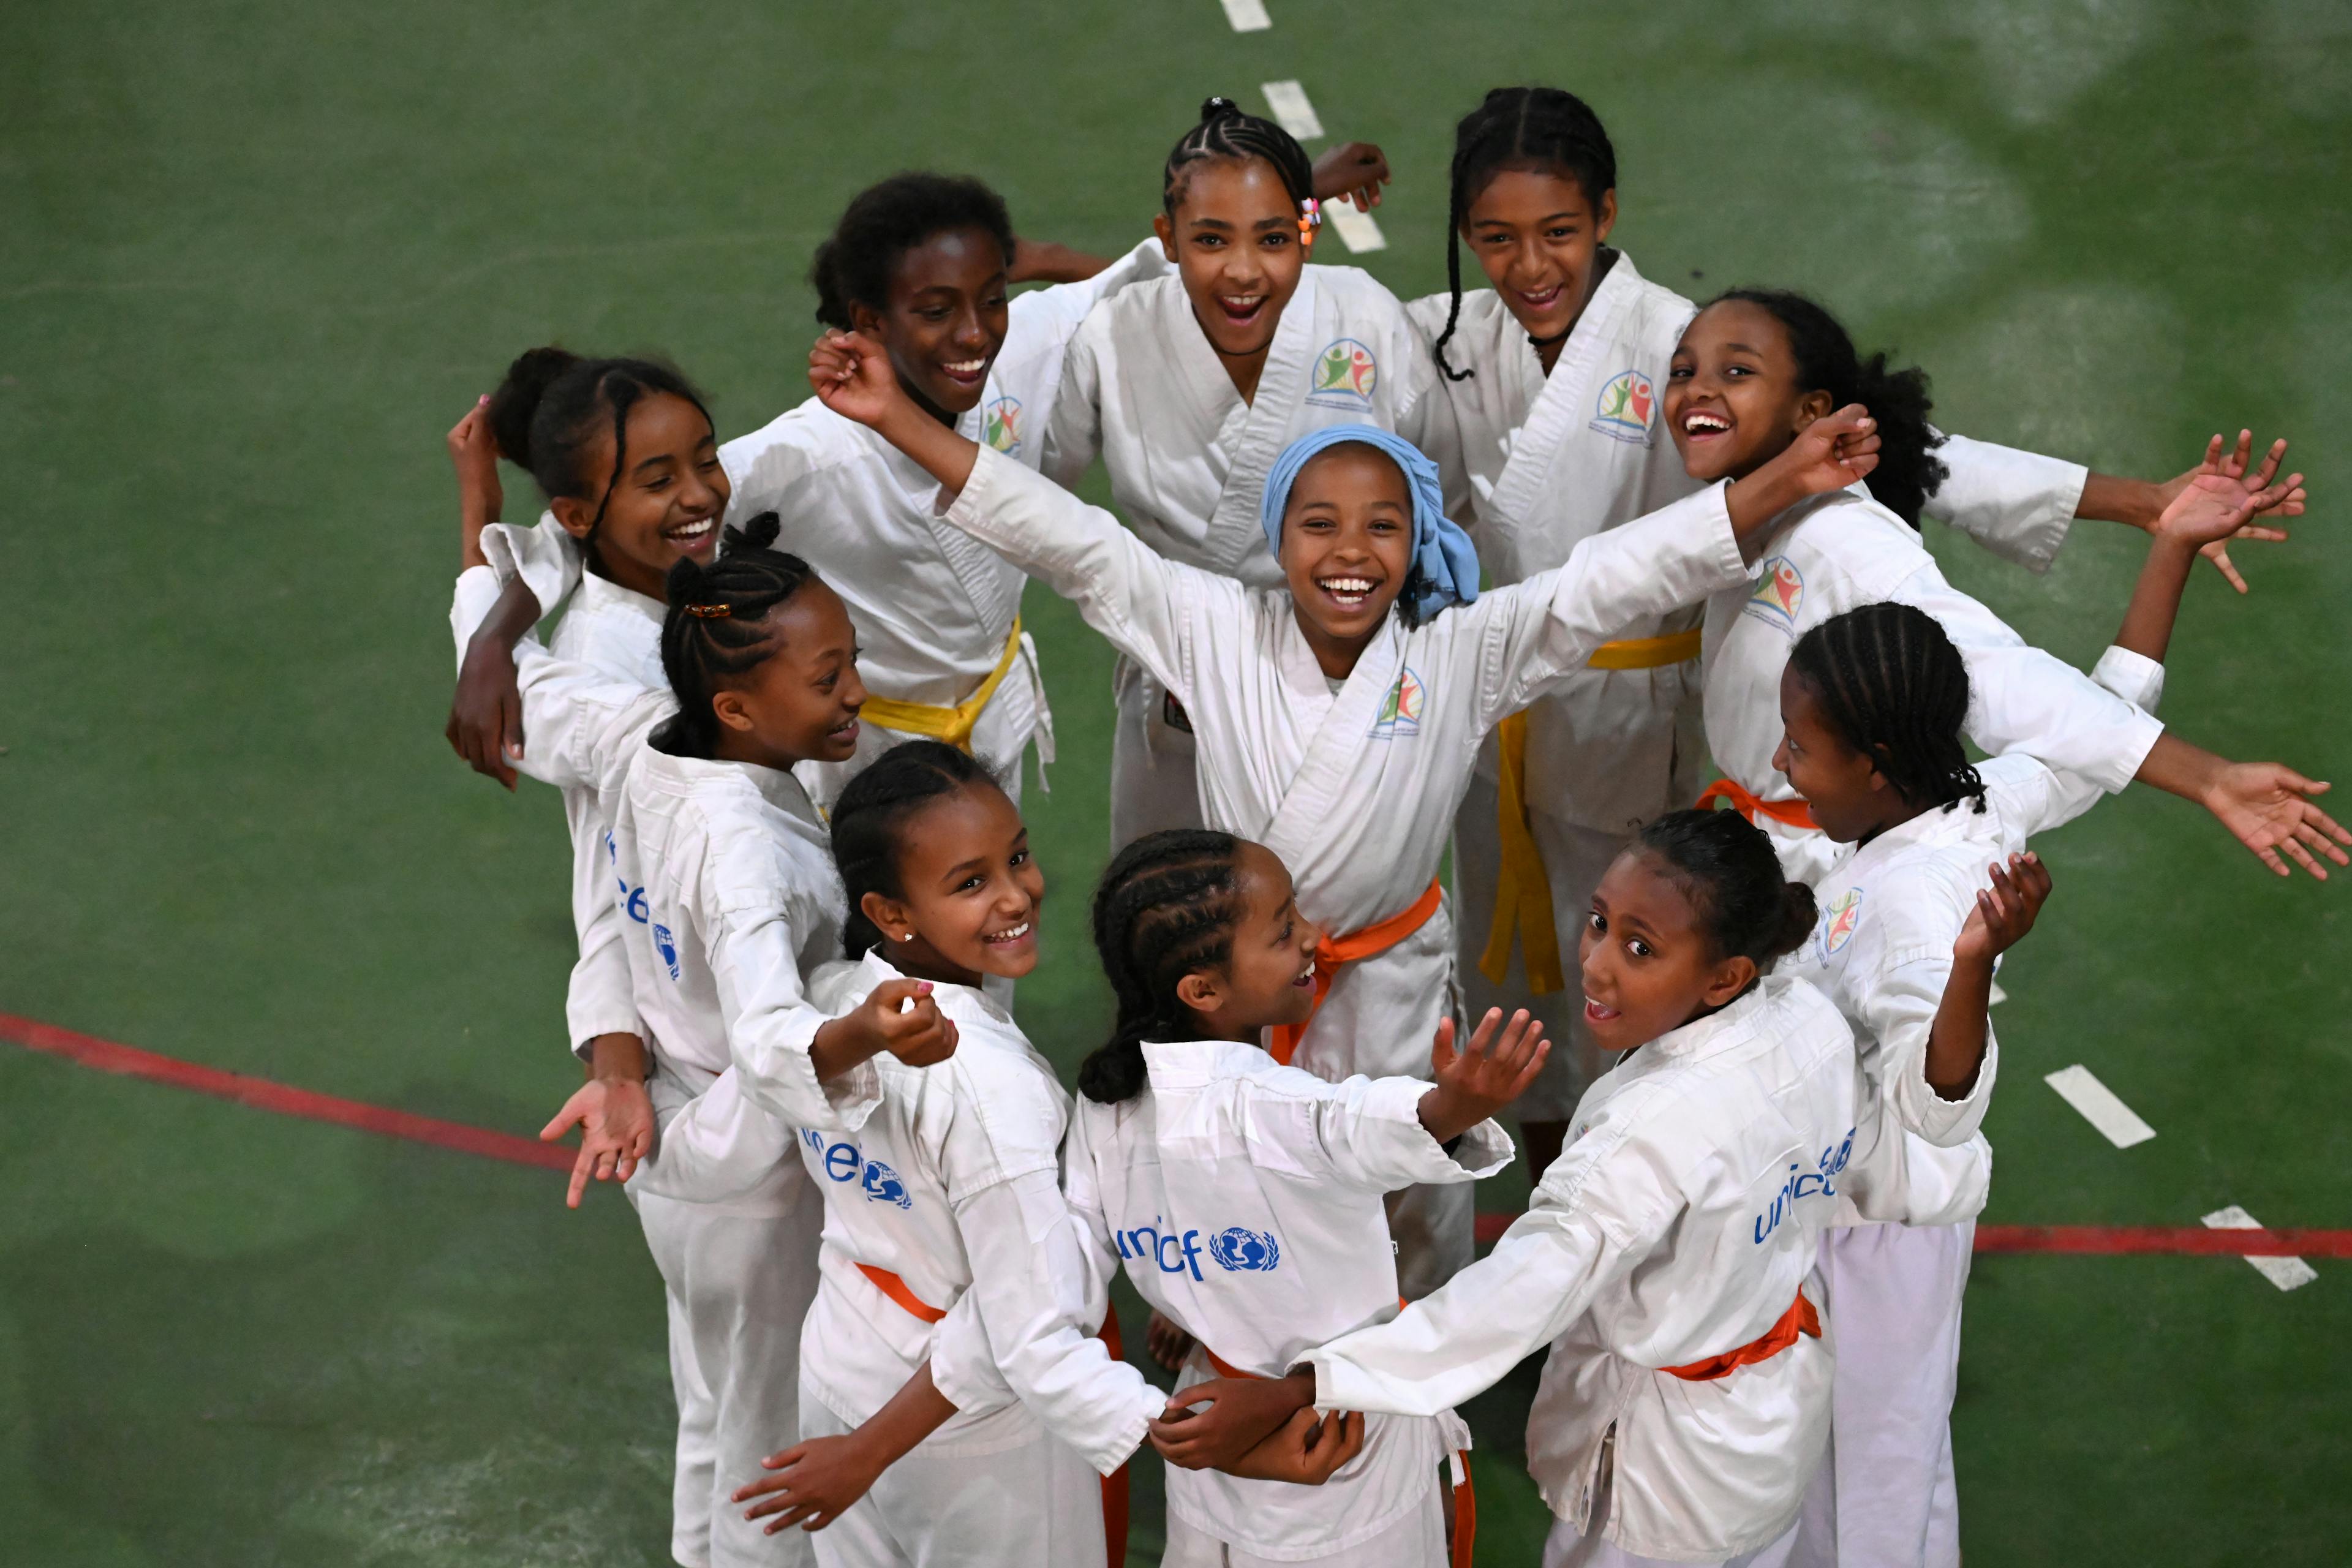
[[1310, 218], [710, 612]]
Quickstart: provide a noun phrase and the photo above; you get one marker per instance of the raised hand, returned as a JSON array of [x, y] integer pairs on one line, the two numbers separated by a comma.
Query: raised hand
[[615, 1117], [1833, 451], [1304, 1450], [902, 1018], [1353, 170], [2005, 912], [2232, 464], [1493, 1070], [2267, 806], [480, 498], [813, 1483], [2212, 508], [852, 377]]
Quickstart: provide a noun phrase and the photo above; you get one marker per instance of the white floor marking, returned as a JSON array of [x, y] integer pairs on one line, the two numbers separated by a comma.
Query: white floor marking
[[1295, 115], [2286, 1273], [1356, 230], [2099, 1106], [1248, 15], [1998, 995]]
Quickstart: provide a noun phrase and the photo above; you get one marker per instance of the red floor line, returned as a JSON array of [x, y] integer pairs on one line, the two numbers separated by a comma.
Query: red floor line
[[2102, 1239], [264, 1095]]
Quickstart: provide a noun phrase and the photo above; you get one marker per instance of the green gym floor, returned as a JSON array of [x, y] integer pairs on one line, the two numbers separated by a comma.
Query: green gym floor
[[255, 257]]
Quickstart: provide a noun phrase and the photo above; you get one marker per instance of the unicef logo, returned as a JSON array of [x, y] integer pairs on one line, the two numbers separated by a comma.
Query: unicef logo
[[666, 945], [883, 1185], [1243, 1251]]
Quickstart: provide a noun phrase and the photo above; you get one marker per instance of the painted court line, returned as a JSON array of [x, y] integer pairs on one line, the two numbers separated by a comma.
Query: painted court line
[[2256, 1245], [1356, 230], [1247, 15], [2285, 1272], [1291, 109], [2078, 1087], [264, 1095]]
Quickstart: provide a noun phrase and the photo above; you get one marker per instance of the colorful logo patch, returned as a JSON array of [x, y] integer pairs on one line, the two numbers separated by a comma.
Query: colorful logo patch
[[1627, 402], [1242, 1251], [1344, 376], [1401, 709], [666, 945], [1778, 594], [1838, 920], [882, 1186], [1000, 425]]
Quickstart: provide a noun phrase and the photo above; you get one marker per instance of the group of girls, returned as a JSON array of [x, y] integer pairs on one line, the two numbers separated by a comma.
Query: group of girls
[[1494, 570]]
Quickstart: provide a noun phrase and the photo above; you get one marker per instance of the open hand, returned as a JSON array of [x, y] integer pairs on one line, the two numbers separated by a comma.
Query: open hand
[[615, 1117], [814, 1483], [2230, 464], [2005, 912], [2267, 806], [1353, 170], [852, 377], [1242, 1413], [1473, 1084], [1304, 1450]]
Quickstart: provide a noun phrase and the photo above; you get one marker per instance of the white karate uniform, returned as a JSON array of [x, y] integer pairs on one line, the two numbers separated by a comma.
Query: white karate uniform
[[934, 612], [1838, 551], [953, 1186], [1891, 911], [1549, 460], [729, 865], [1243, 1199], [1678, 1224], [1188, 459], [1356, 789]]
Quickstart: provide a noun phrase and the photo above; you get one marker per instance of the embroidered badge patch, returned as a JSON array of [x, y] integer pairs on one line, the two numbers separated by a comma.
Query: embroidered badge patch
[[1401, 709], [1779, 593], [1627, 402], [1000, 425], [1344, 376], [1839, 918]]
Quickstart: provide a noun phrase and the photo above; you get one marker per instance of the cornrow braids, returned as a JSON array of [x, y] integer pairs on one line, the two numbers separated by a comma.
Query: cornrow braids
[[1519, 127], [874, 817], [1909, 470], [1892, 687], [883, 222], [717, 628], [1166, 907], [1747, 907], [553, 405], [1226, 131]]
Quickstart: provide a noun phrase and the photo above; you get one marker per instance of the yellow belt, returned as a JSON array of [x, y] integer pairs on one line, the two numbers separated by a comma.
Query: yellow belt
[[954, 724], [1522, 888]]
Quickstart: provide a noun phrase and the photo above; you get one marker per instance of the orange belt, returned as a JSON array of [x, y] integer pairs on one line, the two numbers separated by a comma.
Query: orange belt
[[1787, 813], [1114, 1486], [1466, 1498], [1333, 952], [1800, 1319]]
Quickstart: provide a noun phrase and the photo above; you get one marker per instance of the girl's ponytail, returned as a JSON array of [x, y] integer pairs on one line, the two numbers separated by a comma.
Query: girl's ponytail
[[1890, 683], [516, 401], [1745, 902], [717, 627], [1166, 907]]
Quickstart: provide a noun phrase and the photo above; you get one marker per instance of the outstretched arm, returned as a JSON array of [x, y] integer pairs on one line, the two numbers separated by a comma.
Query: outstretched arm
[[2004, 912], [2209, 511]]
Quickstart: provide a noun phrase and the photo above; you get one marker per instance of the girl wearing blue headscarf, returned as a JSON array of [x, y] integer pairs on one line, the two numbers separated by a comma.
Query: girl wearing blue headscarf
[[1337, 717]]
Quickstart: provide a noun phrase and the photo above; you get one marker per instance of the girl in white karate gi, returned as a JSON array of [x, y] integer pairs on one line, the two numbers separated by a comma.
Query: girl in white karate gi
[[1554, 376], [1191, 384], [1340, 733], [1751, 370], [1666, 1255], [1244, 1198], [1872, 705], [731, 895], [921, 262]]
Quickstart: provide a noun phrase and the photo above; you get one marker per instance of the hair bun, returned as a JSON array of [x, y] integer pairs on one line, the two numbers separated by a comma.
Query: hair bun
[[517, 400], [759, 534], [1217, 109], [1798, 913], [683, 585]]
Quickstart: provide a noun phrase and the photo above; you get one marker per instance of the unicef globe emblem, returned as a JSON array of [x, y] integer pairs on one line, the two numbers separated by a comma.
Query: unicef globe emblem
[[1246, 1251]]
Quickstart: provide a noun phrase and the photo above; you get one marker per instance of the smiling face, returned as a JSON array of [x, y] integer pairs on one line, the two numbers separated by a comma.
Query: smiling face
[[1536, 234], [1234, 239], [668, 503], [971, 891], [1268, 978], [945, 321], [1347, 544], [1850, 798], [798, 704], [1648, 968], [1732, 398]]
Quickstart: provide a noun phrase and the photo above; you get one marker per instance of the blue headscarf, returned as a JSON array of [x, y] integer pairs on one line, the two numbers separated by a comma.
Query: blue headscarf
[[1441, 553]]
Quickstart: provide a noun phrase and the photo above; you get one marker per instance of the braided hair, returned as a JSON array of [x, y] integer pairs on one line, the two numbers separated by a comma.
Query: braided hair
[[1166, 907], [553, 404], [885, 221], [1523, 128], [716, 630], [1746, 906], [1908, 472], [1892, 687], [871, 819], [1226, 131]]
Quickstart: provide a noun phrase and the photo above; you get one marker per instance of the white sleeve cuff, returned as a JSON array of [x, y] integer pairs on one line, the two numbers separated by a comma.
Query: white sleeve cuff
[[2133, 676]]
